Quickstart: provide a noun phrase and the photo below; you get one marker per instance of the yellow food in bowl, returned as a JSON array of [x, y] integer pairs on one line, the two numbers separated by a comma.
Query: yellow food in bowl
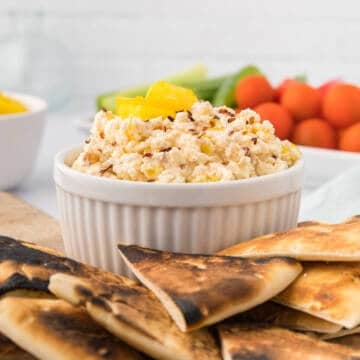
[[9, 105]]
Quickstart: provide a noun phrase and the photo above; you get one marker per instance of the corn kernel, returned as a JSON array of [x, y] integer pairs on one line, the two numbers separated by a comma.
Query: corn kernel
[[152, 172], [206, 148]]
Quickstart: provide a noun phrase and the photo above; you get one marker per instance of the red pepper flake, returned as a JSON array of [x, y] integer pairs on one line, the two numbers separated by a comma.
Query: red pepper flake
[[104, 109], [230, 120], [114, 143], [103, 171], [225, 111], [254, 140], [217, 117], [150, 180], [194, 131], [148, 155], [231, 132], [166, 149], [247, 151], [87, 141], [252, 120], [171, 118], [190, 115], [212, 123], [274, 157]]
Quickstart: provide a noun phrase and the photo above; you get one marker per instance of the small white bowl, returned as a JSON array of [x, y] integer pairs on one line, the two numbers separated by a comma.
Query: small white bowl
[[20, 137], [97, 213]]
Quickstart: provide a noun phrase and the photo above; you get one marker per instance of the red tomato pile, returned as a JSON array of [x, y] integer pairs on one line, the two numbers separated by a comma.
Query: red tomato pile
[[327, 116]]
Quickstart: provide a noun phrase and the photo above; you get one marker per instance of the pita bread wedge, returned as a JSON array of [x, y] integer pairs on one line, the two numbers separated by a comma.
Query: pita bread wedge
[[282, 316], [54, 329], [352, 341], [199, 290], [311, 241], [341, 333], [330, 291], [131, 312], [25, 265], [28, 266], [10, 351], [256, 341]]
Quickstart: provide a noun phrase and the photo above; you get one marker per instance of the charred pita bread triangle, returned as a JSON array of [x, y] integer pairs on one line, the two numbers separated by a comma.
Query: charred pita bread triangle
[[241, 341], [199, 290], [311, 241], [283, 316], [53, 329], [10, 351], [28, 266], [352, 341], [131, 312], [25, 265], [330, 291], [341, 333]]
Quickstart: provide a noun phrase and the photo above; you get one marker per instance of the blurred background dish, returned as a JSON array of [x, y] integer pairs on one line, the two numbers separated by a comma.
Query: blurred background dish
[[20, 137]]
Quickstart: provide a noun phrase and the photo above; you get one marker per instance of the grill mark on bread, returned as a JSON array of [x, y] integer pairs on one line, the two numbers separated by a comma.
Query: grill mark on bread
[[19, 281], [25, 266]]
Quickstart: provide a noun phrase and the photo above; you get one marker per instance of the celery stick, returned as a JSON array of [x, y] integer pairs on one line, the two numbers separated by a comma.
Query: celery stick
[[226, 92], [197, 72], [205, 89]]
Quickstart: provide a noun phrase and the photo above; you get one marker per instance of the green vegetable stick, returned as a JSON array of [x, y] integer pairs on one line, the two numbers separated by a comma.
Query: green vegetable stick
[[226, 92], [197, 72]]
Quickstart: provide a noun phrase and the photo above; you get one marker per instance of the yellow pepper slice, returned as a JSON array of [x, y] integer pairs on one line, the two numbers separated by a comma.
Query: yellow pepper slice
[[10, 106], [139, 107], [162, 99], [165, 95], [125, 106]]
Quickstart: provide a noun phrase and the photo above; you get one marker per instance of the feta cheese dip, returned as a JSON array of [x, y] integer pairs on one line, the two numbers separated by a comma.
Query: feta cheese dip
[[203, 144]]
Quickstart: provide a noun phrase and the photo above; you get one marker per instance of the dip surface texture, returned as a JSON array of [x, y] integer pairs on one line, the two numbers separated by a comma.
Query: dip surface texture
[[204, 144]]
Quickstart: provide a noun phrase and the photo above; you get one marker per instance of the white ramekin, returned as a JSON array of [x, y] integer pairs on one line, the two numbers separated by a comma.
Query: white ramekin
[[98, 213], [20, 137]]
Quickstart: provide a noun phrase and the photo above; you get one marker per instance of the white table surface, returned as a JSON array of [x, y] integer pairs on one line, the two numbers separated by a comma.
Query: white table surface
[[60, 132]]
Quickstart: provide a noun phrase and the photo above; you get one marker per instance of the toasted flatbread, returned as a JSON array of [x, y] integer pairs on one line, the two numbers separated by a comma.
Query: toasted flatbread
[[25, 265], [341, 333], [199, 290], [330, 291], [256, 341], [282, 316], [131, 312], [311, 241], [10, 351], [352, 341], [54, 329]]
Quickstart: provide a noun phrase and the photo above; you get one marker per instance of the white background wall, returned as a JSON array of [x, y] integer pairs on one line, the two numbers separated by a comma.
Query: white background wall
[[116, 43]]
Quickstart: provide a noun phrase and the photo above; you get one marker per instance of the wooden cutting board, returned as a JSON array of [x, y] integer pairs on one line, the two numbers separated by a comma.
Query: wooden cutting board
[[20, 220]]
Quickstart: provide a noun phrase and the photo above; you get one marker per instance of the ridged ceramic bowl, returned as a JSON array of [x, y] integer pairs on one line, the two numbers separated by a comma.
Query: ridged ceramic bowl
[[97, 213]]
